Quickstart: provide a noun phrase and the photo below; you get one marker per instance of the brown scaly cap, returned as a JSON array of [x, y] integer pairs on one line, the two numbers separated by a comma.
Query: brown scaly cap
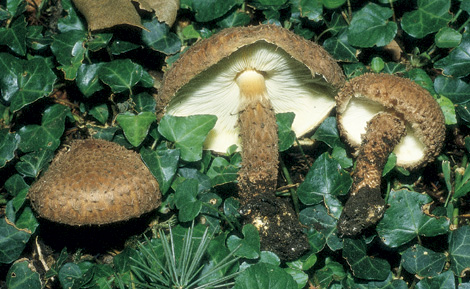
[[400, 96], [95, 182], [210, 51]]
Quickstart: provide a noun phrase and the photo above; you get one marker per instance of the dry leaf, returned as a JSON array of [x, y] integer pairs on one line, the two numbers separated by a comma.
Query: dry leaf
[[102, 14], [165, 10]]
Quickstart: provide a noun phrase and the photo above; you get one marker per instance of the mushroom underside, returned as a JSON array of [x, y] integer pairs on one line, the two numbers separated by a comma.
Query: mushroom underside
[[365, 206]]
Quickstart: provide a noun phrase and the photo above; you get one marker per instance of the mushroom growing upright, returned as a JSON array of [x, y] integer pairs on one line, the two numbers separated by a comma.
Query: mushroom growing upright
[[95, 182], [245, 76], [378, 114]]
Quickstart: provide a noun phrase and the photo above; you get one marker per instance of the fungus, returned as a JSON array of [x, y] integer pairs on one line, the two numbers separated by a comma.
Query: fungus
[[378, 114], [245, 76], [95, 182]]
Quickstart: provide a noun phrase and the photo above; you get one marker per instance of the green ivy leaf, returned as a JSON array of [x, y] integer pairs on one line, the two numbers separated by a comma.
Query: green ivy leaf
[[144, 102], [208, 10], [235, 19], [422, 261], [12, 241], [100, 112], [8, 144], [330, 272], [404, 220], [453, 88], [188, 133], [222, 172], [340, 48], [389, 283], [160, 38], [286, 135], [447, 38], [31, 164], [457, 63], [24, 81], [121, 75], [71, 21], [328, 133], [87, 79], [249, 247], [68, 274], [431, 16], [313, 10], [459, 250], [15, 36], [370, 26], [20, 275], [445, 280], [186, 200], [363, 266], [318, 217], [163, 164], [263, 275], [448, 109], [136, 127], [324, 177], [47, 135], [15, 184], [99, 41], [69, 50], [332, 4]]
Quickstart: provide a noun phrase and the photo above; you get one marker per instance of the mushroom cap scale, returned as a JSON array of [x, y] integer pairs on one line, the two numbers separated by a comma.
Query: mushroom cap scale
[[363, 97], [300, 77], [95, 182]]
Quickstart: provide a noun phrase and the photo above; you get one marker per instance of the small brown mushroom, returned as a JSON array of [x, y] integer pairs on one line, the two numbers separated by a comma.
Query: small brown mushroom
[[245, 76], [378, 114], [95, 182]]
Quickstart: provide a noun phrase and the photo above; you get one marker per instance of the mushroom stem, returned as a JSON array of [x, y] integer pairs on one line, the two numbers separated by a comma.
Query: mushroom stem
[[365, 205], [259, 139]]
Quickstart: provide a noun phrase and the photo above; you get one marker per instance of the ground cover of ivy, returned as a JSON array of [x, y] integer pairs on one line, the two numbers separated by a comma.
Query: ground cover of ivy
[[59, 81]]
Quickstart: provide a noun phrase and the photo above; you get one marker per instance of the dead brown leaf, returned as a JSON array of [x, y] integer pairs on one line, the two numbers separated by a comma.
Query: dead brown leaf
[[102, 14], [165, 10]]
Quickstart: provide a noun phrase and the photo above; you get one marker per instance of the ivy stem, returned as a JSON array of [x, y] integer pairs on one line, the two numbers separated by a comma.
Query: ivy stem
[[293, 193]]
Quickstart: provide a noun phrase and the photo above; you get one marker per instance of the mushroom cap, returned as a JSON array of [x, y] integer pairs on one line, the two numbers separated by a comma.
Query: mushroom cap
[[300, 77], [363, 97], [95, 182]]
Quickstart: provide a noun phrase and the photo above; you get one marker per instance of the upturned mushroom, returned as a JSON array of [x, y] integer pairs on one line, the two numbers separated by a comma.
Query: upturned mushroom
[[95, 182], [378, 114], [245, 76]]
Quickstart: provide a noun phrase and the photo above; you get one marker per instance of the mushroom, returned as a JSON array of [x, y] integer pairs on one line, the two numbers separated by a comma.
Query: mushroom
[[95, 182], [245, 76], [378, 114]]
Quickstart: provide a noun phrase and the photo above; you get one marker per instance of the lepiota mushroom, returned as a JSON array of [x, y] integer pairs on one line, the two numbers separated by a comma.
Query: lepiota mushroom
[[245, 76], [378, 114], [95, 182]]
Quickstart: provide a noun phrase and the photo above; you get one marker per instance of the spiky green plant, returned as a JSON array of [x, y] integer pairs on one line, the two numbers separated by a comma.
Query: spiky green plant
[[180, 266]]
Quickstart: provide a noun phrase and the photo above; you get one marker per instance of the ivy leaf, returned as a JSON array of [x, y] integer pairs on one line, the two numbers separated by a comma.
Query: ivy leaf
[[459, 250], [160, 38], [457, 63], [370, 26], [445, 280], [318, 217], [69, 50], [330, 272], [47, 135], [188, 133], [340, 48], [324, 177], [8, 144], [31, 164], [447, 38], [222, 172], [24, 81], [404, 220], [431, 16], [286, 134], [15, 36], [422, 261], [87, 79], [186, 200], [163, 164], [20, 275], [208, 10], [100, 112], [453, 88], [249, 246], [264, 275], [144, 102], [12, 241], [136, 127], [363, 266], [121, 75]]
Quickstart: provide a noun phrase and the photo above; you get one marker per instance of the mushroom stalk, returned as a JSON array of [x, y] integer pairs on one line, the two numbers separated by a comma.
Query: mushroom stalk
[[365, 205], [259, 139]]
